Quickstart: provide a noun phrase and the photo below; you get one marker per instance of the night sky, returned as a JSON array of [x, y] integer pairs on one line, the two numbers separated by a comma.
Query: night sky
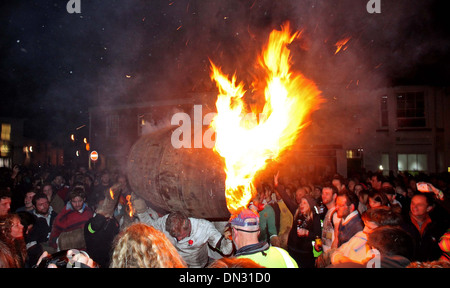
[[55, 65]]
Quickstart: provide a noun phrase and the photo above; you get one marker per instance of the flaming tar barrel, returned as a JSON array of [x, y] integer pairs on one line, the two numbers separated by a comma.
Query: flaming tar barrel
[[190, 180]]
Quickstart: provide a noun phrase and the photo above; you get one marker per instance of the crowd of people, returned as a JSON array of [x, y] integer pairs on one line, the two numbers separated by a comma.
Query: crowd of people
[[94, 219]]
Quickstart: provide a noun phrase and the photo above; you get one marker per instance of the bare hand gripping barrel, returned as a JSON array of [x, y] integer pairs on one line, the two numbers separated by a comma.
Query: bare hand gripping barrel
[[190, 180]]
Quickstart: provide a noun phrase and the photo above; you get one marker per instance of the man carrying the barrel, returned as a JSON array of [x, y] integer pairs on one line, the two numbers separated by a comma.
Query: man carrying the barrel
[[191, 236]]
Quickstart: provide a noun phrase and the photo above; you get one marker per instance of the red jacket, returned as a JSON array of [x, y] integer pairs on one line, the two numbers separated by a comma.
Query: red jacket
[[68, 220]]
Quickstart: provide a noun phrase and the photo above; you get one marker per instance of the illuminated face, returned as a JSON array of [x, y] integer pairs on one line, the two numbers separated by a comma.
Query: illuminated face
[[419, 206], [42, 206], [5, 205], [77, 203], [341, 207], [327, 195], [16, 229], [304, 206], [28, 199], [48, 190]]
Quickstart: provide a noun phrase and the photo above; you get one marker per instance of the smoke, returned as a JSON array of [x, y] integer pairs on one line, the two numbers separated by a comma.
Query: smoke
[[137, 51]]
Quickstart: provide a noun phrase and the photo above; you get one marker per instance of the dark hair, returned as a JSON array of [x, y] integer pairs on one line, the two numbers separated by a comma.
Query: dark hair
[[391, 240], [77, 191], [387, 190], [379, 197], [38, 196], [176, 223], [5, 193], [332, 187], [351, 198], [382, 216]]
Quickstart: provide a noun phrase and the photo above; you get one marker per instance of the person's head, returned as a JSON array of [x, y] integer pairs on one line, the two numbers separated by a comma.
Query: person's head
[[376, 180], [143, 246], [27, 219], [377, 199], [382, 216], [421, 205], [11, 227], [307, 204], [363, 196], [178, 225], [5, 201], [351, 185], [300, 193], [346, 203], [358, 188], [337, 181], [329, 194], [245, 227], [47, 189], [59, 181], [41, 204], [105, 178], [77, 198], [28, 200], [389, 191], [391, 240]]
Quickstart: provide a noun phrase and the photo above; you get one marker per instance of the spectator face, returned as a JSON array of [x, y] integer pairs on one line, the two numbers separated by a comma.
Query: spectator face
[[375, 183], [77, 203], [28, 198], [327, 195], [299, 194], [5, 206], [47, 190], [59, 181], [373, 203], [342, 208], [419, 206], [16, 228], [304, 206], [42, 206]]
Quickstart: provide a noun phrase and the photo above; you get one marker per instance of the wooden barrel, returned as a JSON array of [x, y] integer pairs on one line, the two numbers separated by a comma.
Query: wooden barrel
[[190, 180]]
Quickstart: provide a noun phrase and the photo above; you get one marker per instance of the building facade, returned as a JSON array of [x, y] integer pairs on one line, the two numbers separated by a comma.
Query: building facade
[[399, 129]]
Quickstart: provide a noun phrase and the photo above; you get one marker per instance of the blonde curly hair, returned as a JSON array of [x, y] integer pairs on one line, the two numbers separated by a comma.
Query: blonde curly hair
[[143, 246]]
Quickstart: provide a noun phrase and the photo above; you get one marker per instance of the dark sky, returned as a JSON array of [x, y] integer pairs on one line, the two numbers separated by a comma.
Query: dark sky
[[55, 65]]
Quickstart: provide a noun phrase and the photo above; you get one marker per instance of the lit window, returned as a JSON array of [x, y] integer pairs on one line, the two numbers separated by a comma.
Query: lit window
[[412, 162], [6, 132]]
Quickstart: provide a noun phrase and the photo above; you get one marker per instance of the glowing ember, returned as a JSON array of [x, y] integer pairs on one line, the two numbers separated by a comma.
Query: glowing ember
[[341, 44], [130, 207], [247, 145]]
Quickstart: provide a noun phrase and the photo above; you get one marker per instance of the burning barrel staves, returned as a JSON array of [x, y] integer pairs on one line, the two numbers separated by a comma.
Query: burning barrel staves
[[213, 183]]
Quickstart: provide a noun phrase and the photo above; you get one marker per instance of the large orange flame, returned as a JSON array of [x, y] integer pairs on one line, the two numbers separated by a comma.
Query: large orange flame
[[246, 146]]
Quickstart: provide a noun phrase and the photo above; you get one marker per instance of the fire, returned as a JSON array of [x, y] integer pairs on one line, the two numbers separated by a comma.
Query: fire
[[246, 146], [341, 44], [111, 193], [130, 207]]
